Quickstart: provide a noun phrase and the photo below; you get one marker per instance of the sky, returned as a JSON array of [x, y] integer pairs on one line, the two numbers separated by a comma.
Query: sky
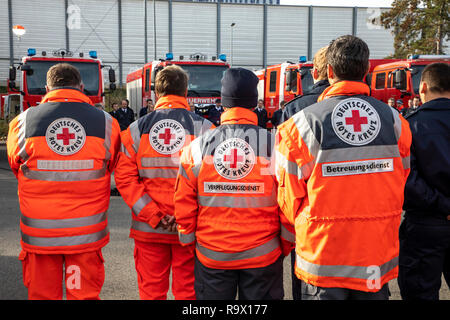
[[340, 3]]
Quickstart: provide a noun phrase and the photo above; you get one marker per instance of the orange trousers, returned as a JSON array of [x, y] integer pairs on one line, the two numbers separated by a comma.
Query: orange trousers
[[153, 262], [84, 275]]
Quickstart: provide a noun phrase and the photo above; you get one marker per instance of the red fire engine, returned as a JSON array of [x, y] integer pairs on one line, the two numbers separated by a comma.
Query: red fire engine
[[283, 81], [34, 71], [288, 80], [204, 80], [400, 79]]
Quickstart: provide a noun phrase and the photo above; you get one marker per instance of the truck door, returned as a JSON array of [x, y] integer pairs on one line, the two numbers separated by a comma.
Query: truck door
[[272, 86], [379, 89]]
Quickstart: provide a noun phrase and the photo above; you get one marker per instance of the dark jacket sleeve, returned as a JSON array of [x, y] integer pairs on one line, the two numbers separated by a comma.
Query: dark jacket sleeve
[[421, 196]]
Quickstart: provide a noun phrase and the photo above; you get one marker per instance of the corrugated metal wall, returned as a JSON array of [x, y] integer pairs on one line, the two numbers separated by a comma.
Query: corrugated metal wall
[[379, 40], [247, 34], [328, 24], [4, 41], [287, 38], [184, 28], [194, 30]]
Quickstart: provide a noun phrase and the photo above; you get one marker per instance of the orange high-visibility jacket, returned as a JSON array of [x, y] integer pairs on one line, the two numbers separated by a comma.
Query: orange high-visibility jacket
[[342, 165], [148, 165], [62, 153], [225, 196]]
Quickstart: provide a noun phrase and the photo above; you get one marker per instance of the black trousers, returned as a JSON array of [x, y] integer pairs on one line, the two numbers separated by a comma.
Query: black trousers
[[264, 283], [424, 257], [311, 292], [296, 282]]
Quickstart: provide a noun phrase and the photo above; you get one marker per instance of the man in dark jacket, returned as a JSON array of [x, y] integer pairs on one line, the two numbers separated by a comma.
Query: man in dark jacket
[[425, 231], [147, 108], [276, 117], [125, 115], [319, 74], [215, 113], [261, 112]]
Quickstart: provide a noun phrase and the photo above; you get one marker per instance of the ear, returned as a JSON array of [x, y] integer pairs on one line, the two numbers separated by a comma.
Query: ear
[[47, 89], [186, 93], [82, 87], [330, 72], [423, 87], [315, 74]]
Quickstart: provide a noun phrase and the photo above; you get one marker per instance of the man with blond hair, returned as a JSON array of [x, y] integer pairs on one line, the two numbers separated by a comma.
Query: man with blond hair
[[319, 74], [145, 177]]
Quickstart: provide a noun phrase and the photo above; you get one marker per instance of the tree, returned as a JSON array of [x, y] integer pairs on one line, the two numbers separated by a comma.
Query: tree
[[419, 27]]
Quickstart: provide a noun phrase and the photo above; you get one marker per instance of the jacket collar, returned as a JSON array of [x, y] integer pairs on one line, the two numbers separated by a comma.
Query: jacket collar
[[321, 83], [345, 88], [436, 104], [172, 102], [66, 95], [238, 115]]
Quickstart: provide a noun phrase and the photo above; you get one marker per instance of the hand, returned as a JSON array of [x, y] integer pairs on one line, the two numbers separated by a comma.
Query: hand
[[167, 221], [173, 227], [448, 217]]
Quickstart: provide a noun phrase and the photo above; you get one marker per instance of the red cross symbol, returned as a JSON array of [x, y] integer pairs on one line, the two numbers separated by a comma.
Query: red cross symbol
[[356, 121], [233, 158], [167, 136], [65, 136]]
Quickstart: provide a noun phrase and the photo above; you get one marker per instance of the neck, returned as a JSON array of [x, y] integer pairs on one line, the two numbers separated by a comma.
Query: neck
[[433, 96]]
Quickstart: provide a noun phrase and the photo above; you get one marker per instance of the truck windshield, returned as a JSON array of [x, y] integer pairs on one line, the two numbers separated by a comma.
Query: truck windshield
[[88, 70], [204, 80], [307, 80], [416, 74]]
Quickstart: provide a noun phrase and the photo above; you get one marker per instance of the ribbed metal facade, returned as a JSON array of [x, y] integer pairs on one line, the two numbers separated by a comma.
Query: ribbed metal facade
[[262, 34]]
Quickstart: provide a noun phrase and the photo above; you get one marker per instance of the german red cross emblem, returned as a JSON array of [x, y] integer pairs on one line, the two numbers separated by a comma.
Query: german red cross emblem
[[167, 136], [234, 159], [65, 136], [355, 121]]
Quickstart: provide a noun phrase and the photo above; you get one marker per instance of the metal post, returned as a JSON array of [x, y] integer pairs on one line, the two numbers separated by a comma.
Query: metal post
[[218, 20], [170, 26], [11, 37], [310, 32], [264, 36], [119, 4], [66, 15], [154, 29], [355, 21], [145, 33], [231, 43]]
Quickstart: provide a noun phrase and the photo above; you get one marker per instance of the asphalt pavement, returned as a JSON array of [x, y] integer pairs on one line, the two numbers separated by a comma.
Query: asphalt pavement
[[120, 275]]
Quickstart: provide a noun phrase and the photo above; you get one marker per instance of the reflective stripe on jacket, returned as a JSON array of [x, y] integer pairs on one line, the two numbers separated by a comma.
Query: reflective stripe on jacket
[[62, 153], [225, 196], [342, 165], [148, 164]]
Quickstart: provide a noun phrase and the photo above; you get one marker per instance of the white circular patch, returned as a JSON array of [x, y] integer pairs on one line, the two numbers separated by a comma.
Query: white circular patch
[[167, 136], [234, 159], [355, 121], [65, 136]]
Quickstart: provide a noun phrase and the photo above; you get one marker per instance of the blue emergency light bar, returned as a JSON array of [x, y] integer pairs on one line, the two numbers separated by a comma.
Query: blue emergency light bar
[[302, 59], [169, 56], [31, 52], [223, 57], [93, 54]]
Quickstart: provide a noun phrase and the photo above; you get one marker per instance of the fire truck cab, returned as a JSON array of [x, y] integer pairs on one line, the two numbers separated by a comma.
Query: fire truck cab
[[400, 79], [283, 81], [288, 80], [34, 76], [204, 84]]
